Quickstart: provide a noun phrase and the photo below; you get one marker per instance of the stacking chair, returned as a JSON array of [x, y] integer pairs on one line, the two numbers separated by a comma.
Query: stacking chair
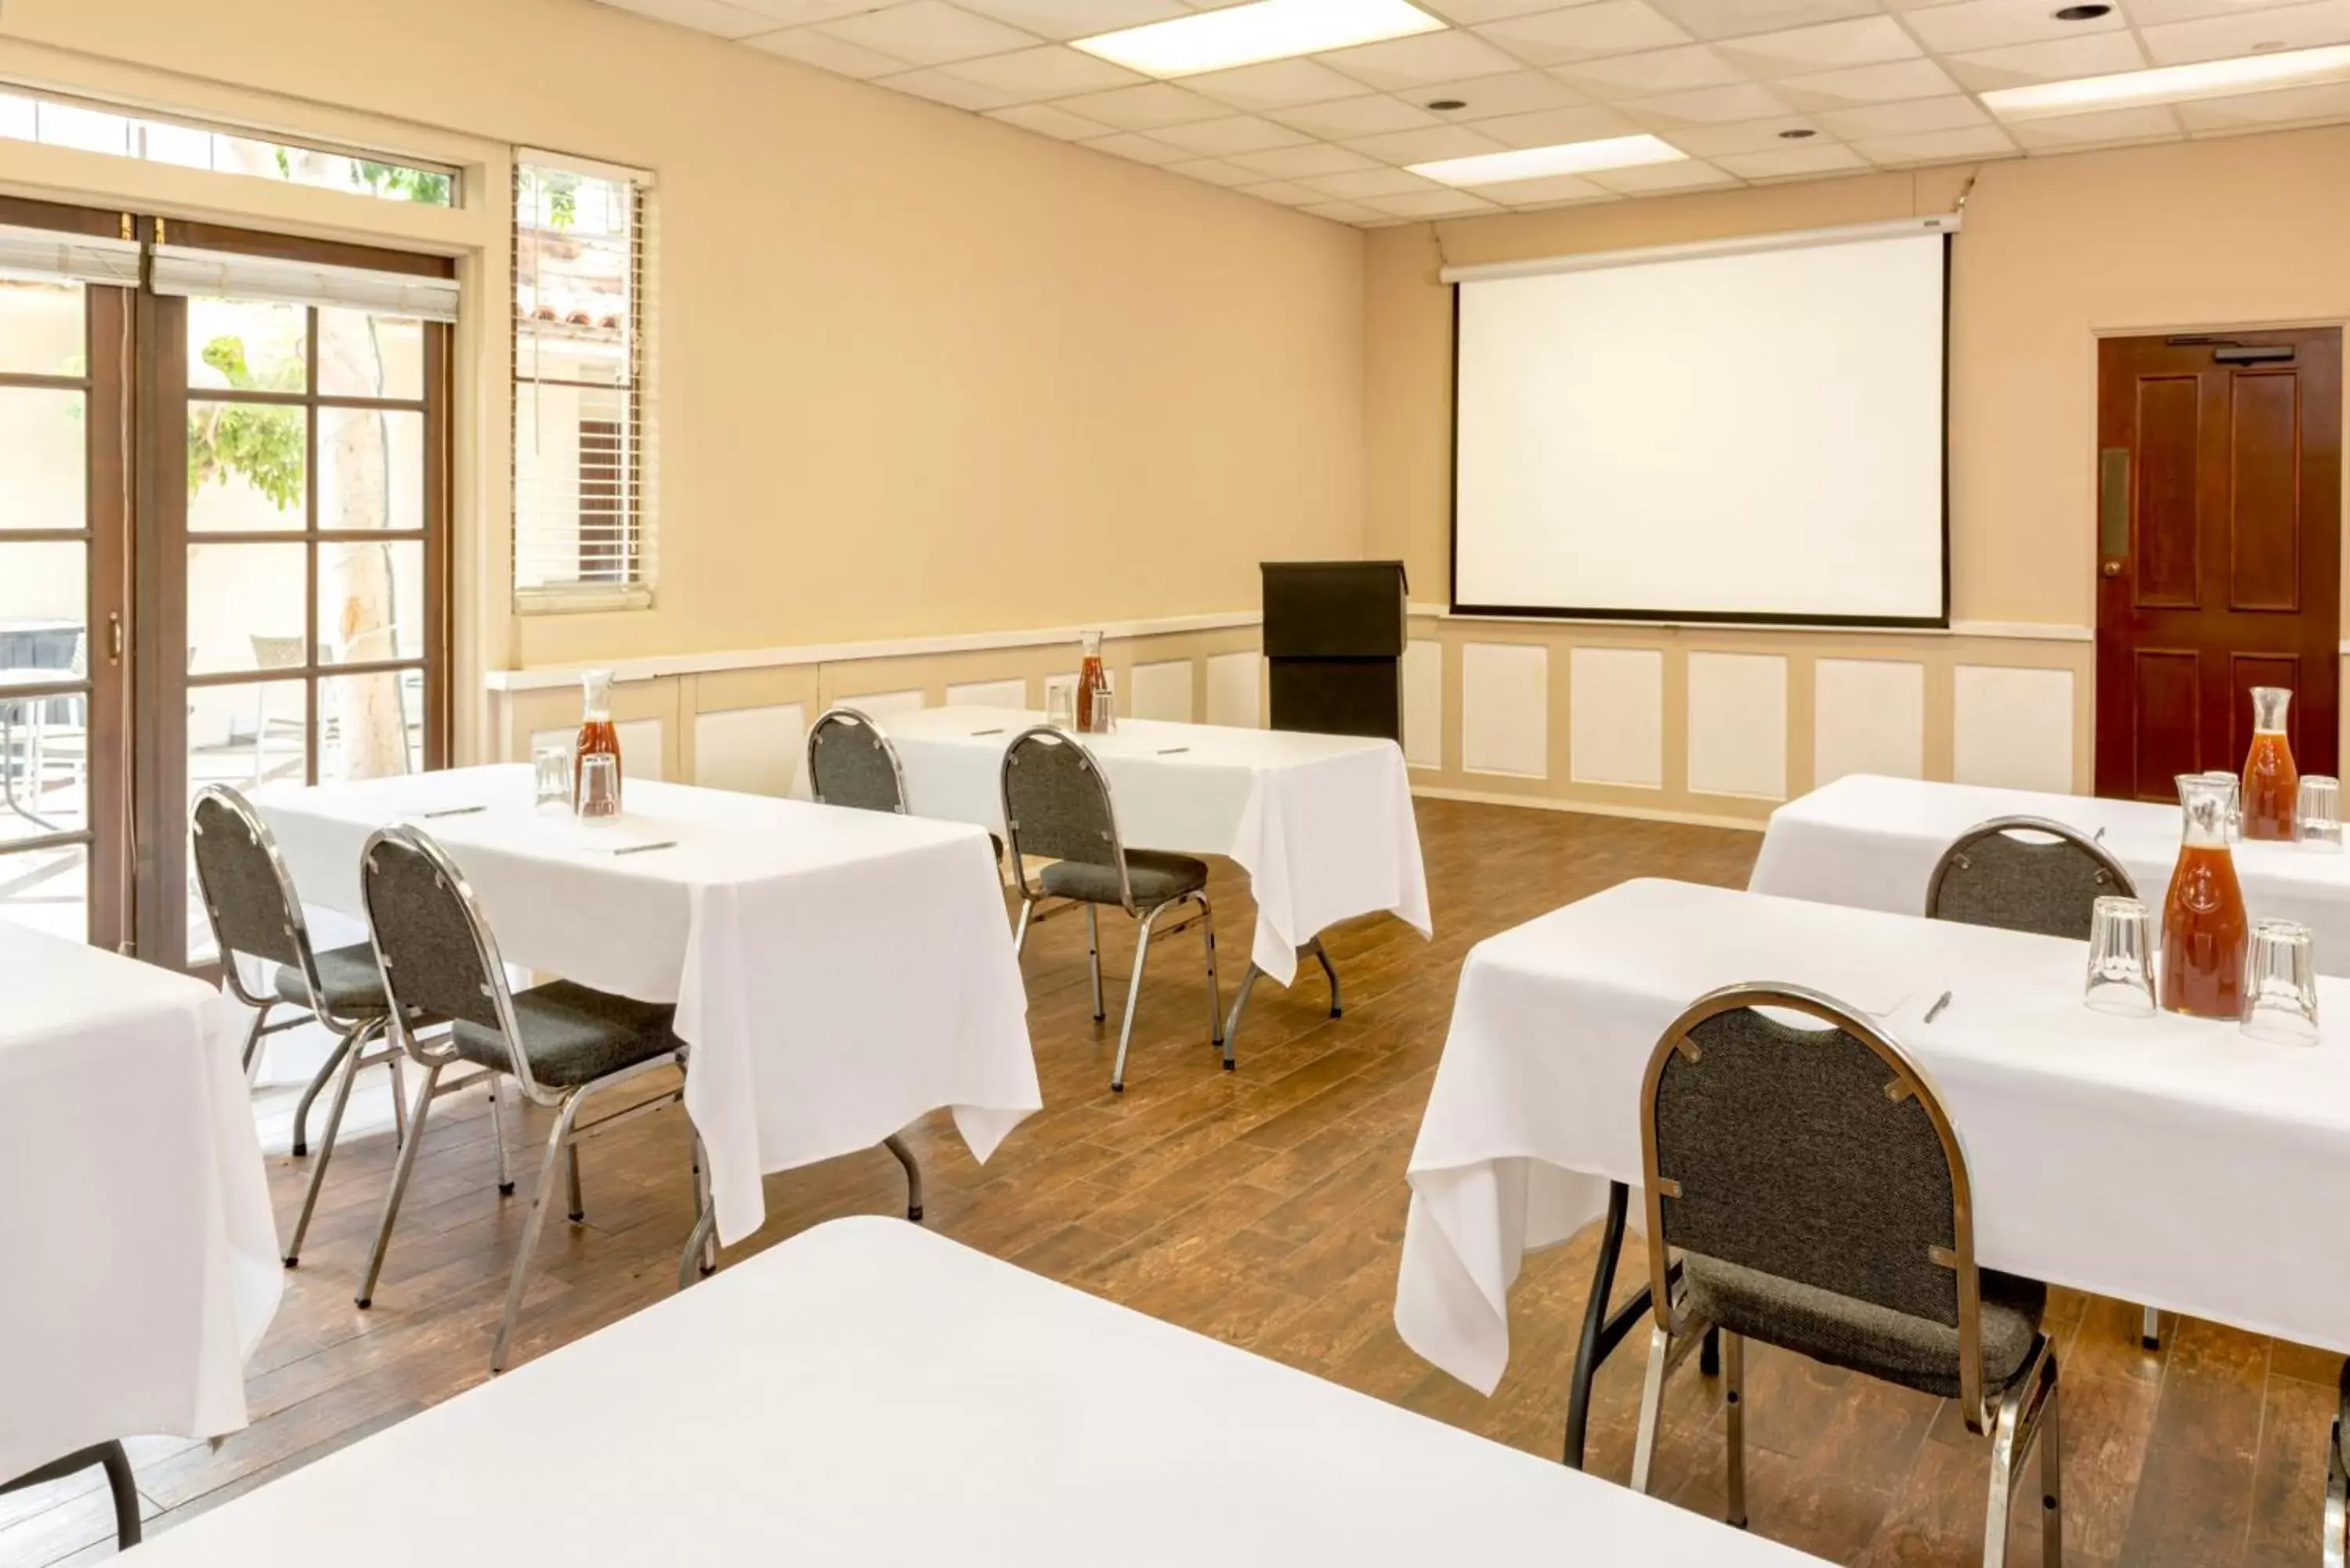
[[2046, 883], [1818, 1199], [251, 902], [851, 762], [1056, 805], [560, 1042]]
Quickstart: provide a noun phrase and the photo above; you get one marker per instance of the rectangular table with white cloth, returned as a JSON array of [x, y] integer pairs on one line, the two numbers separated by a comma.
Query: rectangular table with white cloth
[[2163, 1160], [137, 1245], [1322, 823], [869, 1393], [1873, 843], [837, 973]]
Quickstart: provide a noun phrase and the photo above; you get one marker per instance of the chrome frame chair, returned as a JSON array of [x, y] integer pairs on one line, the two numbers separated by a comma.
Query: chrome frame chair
[[2017, 1416], [2335, 1547], [840, 717], [1105, 848], [2105, 874], [494, 1009], [289, 948]]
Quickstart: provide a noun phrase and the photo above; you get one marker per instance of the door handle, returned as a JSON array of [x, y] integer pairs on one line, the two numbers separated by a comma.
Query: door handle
[[2113, 568], [114, 637]]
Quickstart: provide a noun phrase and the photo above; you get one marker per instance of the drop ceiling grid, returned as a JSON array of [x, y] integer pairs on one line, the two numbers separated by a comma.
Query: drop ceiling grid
[[1878, 84]]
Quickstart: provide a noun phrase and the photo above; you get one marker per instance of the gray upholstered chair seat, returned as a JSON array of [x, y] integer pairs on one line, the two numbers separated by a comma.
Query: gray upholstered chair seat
[[1156, 876], [347, 975], [1861, 1337], [574, 1036]]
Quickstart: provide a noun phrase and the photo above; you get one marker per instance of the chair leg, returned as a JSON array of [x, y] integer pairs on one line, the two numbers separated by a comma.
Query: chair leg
[[1093, 955], [2334, 1546], [571, 1182], [125, 1489], [1241, 1001], [2027, 1415], [2149, 1333], [1133, 996], [354, 1050], [1338, 1001], [1734, 1379], [1216, 1036], [399, 1094], [400, 1174], [896, 1145], [706, 1205], [2052, 1479], [302, 1107], [1020, 932], [1652, 1407], [498, 1136], [559, 1142], [251, 1058]]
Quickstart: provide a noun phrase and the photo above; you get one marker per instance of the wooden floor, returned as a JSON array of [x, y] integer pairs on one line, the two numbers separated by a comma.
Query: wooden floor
[[1266, 1208]]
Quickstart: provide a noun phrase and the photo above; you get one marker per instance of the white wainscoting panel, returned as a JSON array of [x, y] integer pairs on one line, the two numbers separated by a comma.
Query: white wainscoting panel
[[640, 745], [1868, 716], [1232, 687], [1506, 709], [1738, 724], [989, 694], [1161, 690], [1615, 722], [882, 704], [2012, 727], [755, 750], [1423, 704]]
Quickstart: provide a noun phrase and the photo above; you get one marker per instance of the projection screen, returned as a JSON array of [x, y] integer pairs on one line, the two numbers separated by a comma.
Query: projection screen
[[1748, 434]]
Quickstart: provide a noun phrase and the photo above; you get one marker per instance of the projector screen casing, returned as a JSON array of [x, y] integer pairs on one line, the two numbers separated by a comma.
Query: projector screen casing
[[1921, 604]]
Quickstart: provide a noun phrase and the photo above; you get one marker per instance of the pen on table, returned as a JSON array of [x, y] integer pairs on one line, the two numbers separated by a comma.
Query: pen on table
[[997, 731], [1171, 750], [1936, 1010], [640, 848], [456, 811]]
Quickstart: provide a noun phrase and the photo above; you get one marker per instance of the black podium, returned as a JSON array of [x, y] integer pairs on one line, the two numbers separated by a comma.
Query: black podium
[[1334, 634]]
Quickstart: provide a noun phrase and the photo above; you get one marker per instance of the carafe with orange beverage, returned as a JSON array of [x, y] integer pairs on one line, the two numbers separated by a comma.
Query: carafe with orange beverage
[[597, 737], [2203, 923], [2272, 783], [1090, 679]]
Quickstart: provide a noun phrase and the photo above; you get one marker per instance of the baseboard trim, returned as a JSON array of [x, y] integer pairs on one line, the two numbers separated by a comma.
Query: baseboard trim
[[1590, 807]]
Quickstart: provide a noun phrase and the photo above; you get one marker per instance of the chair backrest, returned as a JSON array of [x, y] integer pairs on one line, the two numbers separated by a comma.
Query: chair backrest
[[2024, 874], [435, 951], [851, 762], [247, 894], [1056, 804], [1817, 1155]]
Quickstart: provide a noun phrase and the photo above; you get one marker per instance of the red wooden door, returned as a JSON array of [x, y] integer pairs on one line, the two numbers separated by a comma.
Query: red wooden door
[[2219, 543]]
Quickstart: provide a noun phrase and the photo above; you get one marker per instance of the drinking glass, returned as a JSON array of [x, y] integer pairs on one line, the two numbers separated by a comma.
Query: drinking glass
[[2281, 984], [1061, 705], [2319, 812], [550, 775], [1105, 711], [2235, 802], [2121, 977], [599, 786]]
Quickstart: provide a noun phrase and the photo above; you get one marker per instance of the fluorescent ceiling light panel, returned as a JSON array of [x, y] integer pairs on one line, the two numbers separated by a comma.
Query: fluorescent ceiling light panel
[[1536, 163], [1250, 34], [2172, 84]]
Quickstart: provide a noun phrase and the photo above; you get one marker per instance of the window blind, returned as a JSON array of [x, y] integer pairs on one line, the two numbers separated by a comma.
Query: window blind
[[44, 255], [223, 274], [583, 535]]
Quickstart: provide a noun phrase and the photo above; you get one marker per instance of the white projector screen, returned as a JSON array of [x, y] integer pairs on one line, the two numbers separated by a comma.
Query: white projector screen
[[1752, 436]]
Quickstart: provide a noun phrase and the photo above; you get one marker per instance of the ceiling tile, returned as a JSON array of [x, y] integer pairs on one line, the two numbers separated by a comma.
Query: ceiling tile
[[1903, 118], [1425, 146], [2094, 55], [1049, 119], [1284, 193], [2283, 106], [1344, 213], [941, 87], [811, 47], [2154, 13], [712, 17], [1707, 106], [1234, 133], [1276, 84], [1795, 158], [1067, 18], [928, 33], [1651, 72], [1992, 23], [1214, 171], [2252, 32], [1297, 163], [1141, 149], [1354, 117], [1747, 136], [1939, 146], [1145, 108], [800, 13], [1866, 83], [1586, 32], [1508, 92], [1736, 18], [1371, 183], [1864, 41], [1444, 203], [1692, 174], [2151, 122], [1054, 70], [1552, 126], [1468, 13], [1548, 191], [1416, 61]]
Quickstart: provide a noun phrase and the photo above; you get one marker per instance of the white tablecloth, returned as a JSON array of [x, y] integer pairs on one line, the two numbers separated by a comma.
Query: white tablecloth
[[1872, 843], [138, 1256], [1322, 823], [837, 973], [2167, 1161], [867, 1393]]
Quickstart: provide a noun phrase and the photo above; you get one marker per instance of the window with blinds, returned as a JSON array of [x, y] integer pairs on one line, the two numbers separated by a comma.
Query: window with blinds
[[583, 535]]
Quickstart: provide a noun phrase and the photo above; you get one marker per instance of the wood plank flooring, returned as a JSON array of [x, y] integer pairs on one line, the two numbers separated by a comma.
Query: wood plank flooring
[[1266, 1208]]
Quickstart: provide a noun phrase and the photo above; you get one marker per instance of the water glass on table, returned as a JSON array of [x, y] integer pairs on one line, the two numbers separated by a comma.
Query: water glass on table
[[600, 787], [2318, 816], [2281, 984], [550, 775], [1061, 705], [2121, 968]]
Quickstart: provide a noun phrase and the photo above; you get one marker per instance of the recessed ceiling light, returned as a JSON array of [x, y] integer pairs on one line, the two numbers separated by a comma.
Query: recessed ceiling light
[[1248, 34], [1445, 104], [1566, 158], [1800, 133], [2082, 13], [2172, 83]]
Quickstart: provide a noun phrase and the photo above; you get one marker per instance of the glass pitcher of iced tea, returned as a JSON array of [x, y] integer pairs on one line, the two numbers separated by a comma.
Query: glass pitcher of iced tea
[[2203, 924], [1090, 679], [597, 738], [2272, 783]]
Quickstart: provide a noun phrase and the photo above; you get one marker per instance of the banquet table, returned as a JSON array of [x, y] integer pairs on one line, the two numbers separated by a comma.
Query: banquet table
[[869, 1393], [1873, 842], [2163, 1160], [837, 973], [1322, 823], [137, 1245]]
